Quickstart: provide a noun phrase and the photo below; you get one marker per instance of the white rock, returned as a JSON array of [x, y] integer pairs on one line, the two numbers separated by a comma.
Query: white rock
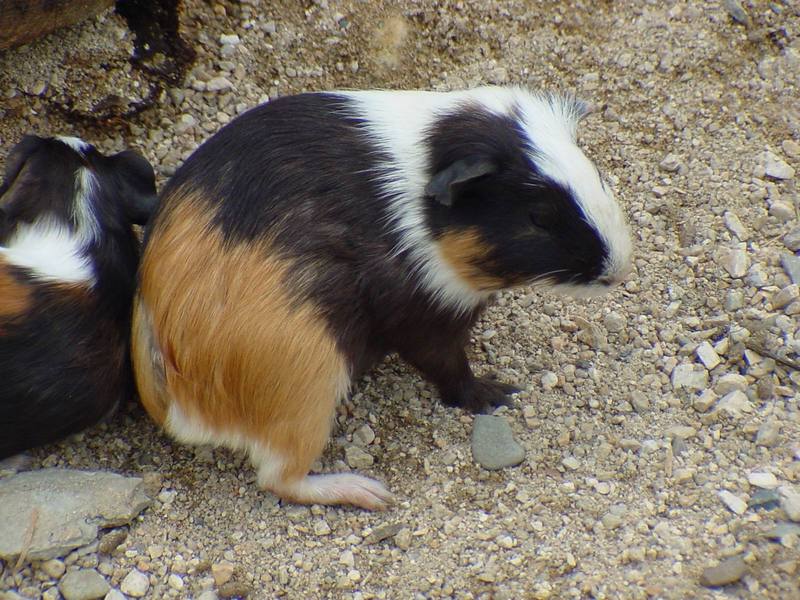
[[735, 226], [736, 263], [733, 502], [730, 382], [707, 355], [790, 502], [735, 403], [763, 479], [347, 559], [229, 39], [571, 463], [135, 584], [689, 376], [115, 594], [776, 167]]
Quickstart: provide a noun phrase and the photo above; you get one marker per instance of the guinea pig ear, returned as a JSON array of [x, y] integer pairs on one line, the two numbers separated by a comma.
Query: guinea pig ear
[[16, 159], [138, 185], [445, 185]]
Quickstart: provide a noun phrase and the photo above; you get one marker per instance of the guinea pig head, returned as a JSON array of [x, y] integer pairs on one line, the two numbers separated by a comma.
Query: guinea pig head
[[66, 181], [512, 200]]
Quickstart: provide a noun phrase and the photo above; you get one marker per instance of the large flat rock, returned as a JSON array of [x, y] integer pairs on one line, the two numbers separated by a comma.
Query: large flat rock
[[53, 511]]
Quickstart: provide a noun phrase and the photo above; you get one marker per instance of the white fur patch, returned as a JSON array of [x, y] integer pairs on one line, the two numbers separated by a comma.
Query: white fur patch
[[82, 207], [397, 123], [76, 144], [51, 251], [549, 123], [189, 429]]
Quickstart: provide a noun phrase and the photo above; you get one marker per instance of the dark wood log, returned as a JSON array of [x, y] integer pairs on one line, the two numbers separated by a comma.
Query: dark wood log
[[22, 21]]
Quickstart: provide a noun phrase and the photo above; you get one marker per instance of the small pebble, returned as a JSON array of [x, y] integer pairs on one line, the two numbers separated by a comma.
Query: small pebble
[[135, 584], [763, 479], [734, 503], [83, 584], [222, 572], [707, 355], [54, 568]]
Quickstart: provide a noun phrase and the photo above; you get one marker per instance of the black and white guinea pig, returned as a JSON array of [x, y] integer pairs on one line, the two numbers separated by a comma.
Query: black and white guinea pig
[[316, 233], [68, 259]]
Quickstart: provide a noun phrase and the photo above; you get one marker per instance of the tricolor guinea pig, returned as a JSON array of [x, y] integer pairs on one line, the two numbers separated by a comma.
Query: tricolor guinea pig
[[316, 233], [68, 259]]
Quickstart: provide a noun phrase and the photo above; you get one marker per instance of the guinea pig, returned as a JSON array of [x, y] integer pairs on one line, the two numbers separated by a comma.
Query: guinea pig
[[68, 259], [316, 233]]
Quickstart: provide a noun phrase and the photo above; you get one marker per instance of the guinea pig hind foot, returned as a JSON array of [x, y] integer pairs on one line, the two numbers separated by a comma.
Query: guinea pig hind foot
[[335, 488]]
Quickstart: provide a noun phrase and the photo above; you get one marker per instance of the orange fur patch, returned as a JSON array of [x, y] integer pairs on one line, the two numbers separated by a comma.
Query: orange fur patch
[[218, 329], [15, 297], [464, 250]]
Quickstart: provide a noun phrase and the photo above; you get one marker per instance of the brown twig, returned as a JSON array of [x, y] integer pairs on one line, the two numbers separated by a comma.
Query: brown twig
[[28, 541], [787, 362]]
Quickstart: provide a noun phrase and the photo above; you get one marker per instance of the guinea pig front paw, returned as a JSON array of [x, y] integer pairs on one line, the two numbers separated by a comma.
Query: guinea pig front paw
[[482, 395]]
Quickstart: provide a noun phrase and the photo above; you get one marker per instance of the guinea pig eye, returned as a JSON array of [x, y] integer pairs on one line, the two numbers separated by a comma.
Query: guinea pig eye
[[542, 218]]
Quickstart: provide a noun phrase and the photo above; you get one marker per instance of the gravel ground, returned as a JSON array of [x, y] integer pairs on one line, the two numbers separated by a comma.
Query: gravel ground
[[661, 423]]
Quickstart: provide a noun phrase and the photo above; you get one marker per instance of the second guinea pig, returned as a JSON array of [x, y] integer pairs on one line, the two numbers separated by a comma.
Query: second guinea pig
[[316, 233], [68, 259]]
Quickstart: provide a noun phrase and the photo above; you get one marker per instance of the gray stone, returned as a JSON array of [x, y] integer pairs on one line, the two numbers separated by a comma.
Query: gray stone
[[791, 264], [764, 500], [792, 239], [115, 594], [782, 530], [728, 571], [736, 11], [54, 568], [83, 584], [493, 443], [64, 508]]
